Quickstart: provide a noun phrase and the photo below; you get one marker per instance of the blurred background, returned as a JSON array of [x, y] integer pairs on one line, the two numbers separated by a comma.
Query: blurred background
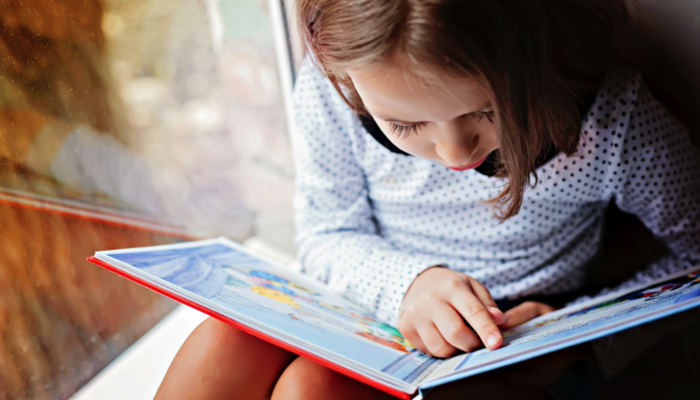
[[125, 123], [129, 123]]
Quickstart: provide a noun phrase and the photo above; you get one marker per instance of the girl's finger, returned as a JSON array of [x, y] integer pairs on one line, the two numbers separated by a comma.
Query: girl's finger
[[485, 296], [482, 293], [525, 312], [478, 316], [433, 340], [414, 338], [452, 328]]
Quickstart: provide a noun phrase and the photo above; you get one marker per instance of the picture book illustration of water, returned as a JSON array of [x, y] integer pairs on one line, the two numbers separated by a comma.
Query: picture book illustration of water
[[285, 302], [557, 327]]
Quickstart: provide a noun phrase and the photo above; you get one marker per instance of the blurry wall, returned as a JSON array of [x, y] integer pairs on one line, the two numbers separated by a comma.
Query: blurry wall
[[124, 123], [674, 71]]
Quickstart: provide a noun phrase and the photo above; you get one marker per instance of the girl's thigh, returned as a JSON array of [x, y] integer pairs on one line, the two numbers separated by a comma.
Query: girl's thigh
[[219, 361], [304, 379]]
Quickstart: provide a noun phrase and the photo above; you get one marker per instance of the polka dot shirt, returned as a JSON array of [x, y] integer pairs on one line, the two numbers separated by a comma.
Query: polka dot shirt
[[369, 220]]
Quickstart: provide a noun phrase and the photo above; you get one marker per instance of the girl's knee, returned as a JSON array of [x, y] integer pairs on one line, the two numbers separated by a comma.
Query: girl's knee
[[217, 341], [213, 332], [305, 379], [219, 361]]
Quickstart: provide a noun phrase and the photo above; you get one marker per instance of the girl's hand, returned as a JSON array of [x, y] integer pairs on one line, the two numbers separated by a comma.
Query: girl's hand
[[434, 309], [523, 313]]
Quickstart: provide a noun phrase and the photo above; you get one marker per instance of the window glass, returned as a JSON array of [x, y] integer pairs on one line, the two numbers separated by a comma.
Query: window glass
[[125, 123]]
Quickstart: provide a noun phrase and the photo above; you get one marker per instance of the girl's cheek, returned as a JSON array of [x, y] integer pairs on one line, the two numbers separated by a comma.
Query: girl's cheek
[[491, 137], [416, 146]]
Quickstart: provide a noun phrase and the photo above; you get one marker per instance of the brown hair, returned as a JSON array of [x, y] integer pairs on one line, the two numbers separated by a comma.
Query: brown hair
[[539, 57]]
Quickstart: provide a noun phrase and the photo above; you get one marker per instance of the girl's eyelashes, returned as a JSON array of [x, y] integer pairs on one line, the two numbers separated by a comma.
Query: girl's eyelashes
[[489, 115], [405, 130]]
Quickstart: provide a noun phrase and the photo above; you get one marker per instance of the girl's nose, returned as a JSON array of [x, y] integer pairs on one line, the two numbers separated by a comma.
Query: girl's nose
[[456, 150]]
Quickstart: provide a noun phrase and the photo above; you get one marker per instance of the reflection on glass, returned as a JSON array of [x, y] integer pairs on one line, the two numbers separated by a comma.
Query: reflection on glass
[[124, 123]]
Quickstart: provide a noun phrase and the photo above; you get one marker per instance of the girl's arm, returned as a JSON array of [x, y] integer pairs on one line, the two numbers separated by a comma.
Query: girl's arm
[[339, 242], [656, 176], [642, 156]]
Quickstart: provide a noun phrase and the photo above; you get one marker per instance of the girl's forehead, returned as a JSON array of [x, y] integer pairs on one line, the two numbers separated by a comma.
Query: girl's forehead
[[419, 76], [417, 93]]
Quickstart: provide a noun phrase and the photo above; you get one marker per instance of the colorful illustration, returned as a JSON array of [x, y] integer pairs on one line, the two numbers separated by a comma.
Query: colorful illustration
[[276, 295], [280, 299], [382, 333], [384, 342], [667, 288]]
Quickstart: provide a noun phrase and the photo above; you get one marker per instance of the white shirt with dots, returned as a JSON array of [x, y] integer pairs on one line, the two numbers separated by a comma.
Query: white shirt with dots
[[369, 220]]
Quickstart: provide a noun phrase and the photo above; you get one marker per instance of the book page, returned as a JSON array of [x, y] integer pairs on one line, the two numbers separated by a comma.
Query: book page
[[577, 324], [657, 295], [277, 300]]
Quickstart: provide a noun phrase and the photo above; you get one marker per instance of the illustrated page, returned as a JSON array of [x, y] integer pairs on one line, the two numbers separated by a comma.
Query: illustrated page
[[278, 298], [576, 324]]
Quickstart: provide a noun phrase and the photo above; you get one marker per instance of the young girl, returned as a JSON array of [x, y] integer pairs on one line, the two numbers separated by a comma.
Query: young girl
[[455, 159]]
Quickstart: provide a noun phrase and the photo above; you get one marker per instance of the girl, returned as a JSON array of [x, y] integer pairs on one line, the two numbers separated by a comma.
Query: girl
[[454, 159]]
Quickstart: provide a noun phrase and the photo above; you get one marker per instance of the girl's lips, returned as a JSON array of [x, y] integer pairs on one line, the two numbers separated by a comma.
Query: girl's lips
[[470, 166]]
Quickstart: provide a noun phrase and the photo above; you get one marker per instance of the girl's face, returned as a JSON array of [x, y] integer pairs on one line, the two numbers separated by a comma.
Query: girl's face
[[450, 120]]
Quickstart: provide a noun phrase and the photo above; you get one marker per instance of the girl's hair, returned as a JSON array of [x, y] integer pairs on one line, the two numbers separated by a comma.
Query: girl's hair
[[539, 59]]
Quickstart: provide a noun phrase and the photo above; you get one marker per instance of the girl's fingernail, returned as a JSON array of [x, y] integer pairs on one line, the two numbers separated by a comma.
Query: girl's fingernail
[[491, 340], [495, 309]]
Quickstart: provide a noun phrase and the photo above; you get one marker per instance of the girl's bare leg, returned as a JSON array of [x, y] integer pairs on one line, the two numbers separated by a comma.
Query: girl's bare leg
[[220, 362], [306, 380]]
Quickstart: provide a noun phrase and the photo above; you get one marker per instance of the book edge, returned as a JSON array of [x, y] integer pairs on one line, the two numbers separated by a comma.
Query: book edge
[[260, 335], [456, 376]]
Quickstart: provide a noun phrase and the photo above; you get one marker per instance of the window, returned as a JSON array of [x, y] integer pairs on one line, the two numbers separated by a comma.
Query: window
[[125, 123]]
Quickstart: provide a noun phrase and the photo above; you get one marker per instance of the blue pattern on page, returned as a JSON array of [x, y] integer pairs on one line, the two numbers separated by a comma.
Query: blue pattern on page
[[282, 300]]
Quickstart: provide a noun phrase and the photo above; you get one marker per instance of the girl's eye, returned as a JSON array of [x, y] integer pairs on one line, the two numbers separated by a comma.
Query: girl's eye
[[405, 130], [489, 115]]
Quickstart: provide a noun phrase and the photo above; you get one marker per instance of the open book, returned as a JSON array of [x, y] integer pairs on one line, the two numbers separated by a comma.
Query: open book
[[223, 279]]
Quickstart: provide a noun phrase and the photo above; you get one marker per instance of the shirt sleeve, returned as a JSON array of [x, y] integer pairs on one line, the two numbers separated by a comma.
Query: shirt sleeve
[[658, 171], [339, 242]]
